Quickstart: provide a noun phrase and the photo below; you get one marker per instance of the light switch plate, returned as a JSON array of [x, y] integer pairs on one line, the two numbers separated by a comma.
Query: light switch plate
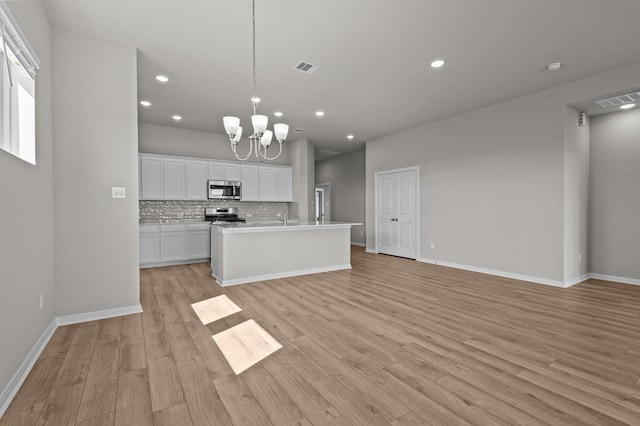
[[117, 192]]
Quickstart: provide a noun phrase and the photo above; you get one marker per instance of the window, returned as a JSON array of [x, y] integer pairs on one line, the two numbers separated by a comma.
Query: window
[[18, 63]]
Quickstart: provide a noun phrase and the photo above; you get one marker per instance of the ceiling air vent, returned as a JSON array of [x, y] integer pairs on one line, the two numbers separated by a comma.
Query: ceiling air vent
[[298, 130], [305, 67], [619, 100], [328, 152]]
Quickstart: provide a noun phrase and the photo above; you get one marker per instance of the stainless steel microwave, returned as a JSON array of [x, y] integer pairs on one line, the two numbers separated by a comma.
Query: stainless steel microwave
[[223, 190]]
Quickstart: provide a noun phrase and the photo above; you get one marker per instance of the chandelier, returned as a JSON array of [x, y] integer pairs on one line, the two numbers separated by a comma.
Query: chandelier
[[260, 140]]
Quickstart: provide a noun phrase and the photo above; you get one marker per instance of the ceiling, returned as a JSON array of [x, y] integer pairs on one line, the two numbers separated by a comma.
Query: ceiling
[[374, 77]]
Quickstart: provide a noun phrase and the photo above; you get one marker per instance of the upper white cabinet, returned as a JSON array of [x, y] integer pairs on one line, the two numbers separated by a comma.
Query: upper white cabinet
[[284, 184], [197, 174], [268, 189], [249, 188], [151, 187], [165, 177], [162, 178], [221, 170]]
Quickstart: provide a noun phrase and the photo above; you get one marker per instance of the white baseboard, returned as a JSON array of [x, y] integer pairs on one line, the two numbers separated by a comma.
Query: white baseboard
[[11, 389], [623, 280], [577, 280], [520, 277], [174, 263], [98, 315], [368, 250], [252, 279], [354, 243]]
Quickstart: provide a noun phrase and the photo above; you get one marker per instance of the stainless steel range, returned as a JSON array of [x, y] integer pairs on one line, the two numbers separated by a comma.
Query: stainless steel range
[[222, 214]]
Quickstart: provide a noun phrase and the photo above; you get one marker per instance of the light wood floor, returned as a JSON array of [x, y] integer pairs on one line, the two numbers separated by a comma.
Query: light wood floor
[[391, 341]]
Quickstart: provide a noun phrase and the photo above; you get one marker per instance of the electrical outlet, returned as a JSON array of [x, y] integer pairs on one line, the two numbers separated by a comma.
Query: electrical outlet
[[433, 246], [41, 301]]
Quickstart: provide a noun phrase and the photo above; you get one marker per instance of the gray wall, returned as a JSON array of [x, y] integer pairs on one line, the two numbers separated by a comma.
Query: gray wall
[[26, 217], [492, 180], [346, 174], [156, 139], [96, 134], [615, 198]]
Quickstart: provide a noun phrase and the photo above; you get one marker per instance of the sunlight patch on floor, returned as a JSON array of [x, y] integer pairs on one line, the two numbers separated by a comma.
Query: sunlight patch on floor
[[216, 308], [245, 344]]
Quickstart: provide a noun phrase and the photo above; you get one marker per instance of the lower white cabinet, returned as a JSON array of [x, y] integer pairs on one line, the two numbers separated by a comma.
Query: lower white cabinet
[[171, 244], [198, 241], [149, 244]]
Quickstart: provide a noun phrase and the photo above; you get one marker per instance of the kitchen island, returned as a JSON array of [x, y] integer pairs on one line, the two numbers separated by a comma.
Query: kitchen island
[[248, 252]]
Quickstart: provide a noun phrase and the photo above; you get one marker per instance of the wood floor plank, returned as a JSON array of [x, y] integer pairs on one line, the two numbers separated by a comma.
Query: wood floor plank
[[391, 341], [239, 402], [173, 416], [133, 399], [275, 402]]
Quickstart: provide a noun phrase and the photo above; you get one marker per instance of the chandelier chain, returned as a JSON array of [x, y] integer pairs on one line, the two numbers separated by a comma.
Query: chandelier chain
[[254, 55]]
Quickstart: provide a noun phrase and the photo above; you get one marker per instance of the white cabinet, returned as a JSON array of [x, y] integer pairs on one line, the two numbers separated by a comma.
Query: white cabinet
[[221, 170], [165, 177], [173, 178], [197, 174], [151, 187], [267, 183], [172, 242], [198, 241], [249, 188], [149, 244], [162, 178], [284, 184]]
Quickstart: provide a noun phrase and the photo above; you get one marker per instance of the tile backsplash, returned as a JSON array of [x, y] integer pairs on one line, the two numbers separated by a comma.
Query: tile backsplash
[[193, 211]]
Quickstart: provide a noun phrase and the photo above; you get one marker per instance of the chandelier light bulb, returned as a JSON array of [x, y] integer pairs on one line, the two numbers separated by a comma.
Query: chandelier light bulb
[[266, 138], [259, 123], [231, 125], [281, 130]]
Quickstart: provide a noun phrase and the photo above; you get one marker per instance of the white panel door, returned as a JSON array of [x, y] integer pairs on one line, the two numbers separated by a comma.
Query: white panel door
[[197, 173], [387, 207], [396, 213]]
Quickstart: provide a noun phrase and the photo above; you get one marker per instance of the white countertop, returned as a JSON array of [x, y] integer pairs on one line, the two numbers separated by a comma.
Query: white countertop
[[239, 227]]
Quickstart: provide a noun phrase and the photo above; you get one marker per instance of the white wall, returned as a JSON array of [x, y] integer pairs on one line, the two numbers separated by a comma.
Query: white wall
[[96, 148], [26, 217], [192, 143], [492, 180], [576, 196], [346, 174], [614, 196]]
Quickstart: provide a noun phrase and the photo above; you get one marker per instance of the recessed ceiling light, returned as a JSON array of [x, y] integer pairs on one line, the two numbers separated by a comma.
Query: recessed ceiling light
[[349, 137], [627, 106], [277, 114], [554, 66], [145, 103], [437, 63], [162, 78], [176, 117], [319, 113]]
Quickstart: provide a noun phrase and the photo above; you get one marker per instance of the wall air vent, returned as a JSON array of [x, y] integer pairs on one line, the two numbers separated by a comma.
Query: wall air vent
[[619, 100], [298, 130], [305, 67]]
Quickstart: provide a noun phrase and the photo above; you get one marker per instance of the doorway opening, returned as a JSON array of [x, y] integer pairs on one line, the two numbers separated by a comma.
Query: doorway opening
[[323, 202]]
